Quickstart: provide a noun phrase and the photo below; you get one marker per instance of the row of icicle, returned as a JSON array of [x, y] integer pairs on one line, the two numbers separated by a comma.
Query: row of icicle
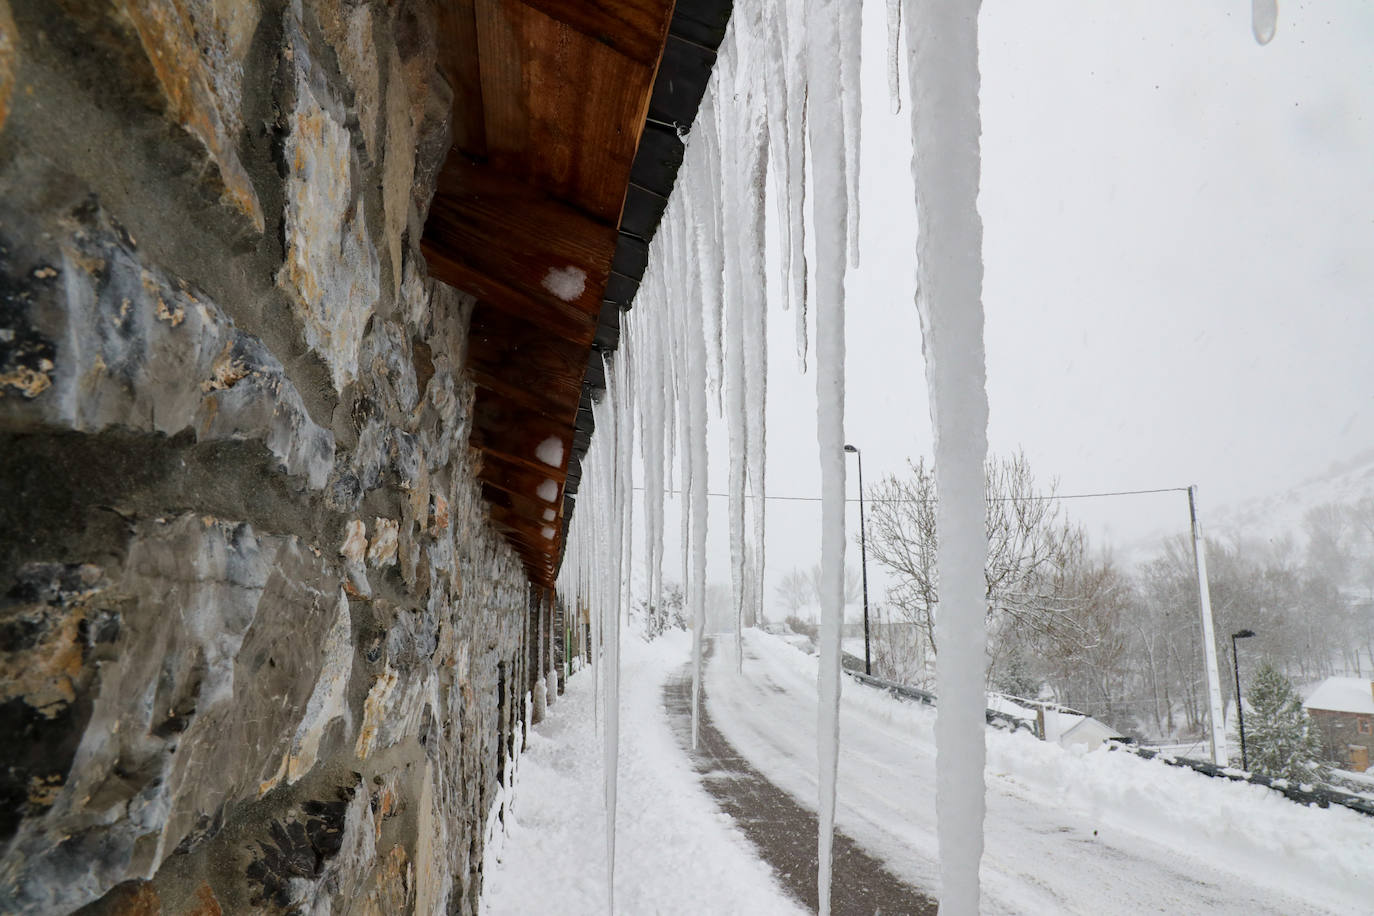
[[785, 86], [785, 83]]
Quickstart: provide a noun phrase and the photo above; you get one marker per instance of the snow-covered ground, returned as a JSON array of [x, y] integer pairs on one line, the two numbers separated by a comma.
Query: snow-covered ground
[[1089, 832], [675, 852], [1067, 832]]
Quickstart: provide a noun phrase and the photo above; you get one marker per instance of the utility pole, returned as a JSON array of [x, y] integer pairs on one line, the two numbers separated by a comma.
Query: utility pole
[[1209, 643], [863, 553]]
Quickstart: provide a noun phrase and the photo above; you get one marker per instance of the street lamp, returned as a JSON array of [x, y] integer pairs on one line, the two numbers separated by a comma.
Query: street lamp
[[1240, 712], [863, 554]]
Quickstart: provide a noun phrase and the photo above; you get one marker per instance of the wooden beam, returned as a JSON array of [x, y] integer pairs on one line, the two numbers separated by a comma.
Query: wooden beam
[[517, 435], [500, 387], [529, 533], [562, 108], [518, 249], [530, 508], [567, 321], [635, 28], [519, 479], [526, 363], [457, 59]]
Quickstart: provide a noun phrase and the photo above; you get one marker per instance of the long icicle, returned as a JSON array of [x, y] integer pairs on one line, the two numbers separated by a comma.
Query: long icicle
[[756, 357], [794, 45], [942, 39], [829, 209], [851, 111], [894, 32], [732, 137], [610, 623]]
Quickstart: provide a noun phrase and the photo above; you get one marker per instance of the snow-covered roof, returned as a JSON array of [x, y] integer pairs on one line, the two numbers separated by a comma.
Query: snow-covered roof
[[1088, 731], [1343, 694], [999, 703]]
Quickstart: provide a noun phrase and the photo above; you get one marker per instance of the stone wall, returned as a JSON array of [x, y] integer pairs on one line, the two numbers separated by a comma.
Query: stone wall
[[257, 638]]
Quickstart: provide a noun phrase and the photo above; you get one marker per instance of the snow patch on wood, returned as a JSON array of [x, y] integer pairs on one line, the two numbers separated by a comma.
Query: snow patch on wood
[[550, 451], [567, 283]]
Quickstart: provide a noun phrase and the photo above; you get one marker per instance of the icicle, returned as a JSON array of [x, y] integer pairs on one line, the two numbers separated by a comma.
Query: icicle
[[696, 403], [851, 115], [541, 693], [755, 341], [942, 40], [1264, 19], [773, 54], [685, 377], [650, 369], [707, 239], [594, 609], [795, 180], [731, 136], [828, 149], [666, 421], [615, 501], [894, 32]]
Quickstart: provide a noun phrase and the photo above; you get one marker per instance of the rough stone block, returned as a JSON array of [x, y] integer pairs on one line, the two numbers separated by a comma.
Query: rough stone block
[[223, 657], [183, 59], [196, 48], [331, 272], [93, 337]]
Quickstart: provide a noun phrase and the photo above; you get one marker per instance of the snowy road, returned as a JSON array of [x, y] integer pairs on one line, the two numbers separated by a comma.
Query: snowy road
[[1066, 833]]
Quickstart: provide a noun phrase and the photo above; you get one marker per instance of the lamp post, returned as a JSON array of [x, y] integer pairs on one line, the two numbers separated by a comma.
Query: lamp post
[[863, 555], [1240, 712]]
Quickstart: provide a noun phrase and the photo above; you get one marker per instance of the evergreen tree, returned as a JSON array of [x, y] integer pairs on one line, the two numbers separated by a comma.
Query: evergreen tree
[[1278, 739]]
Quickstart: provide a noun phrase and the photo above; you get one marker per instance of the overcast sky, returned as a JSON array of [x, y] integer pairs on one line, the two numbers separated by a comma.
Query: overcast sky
[[1179, 251]]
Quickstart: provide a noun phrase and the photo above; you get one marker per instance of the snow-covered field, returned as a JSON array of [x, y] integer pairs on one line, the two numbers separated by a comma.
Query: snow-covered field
[[675, 852], [1092, 832]]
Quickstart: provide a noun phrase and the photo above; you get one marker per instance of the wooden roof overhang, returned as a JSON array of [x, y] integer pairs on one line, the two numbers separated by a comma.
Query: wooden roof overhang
[[566, 141]]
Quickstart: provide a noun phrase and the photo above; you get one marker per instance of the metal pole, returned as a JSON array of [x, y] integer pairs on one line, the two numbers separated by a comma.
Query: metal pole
[[1240, 711], [863, 565], [863, 554], [1209, 645]]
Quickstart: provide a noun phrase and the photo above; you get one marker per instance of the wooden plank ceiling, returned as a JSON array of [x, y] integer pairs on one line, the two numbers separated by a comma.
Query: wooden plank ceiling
[[567, 123]]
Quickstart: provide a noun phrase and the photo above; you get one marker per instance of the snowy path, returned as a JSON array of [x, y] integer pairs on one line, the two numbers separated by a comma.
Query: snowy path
[[783, 831], [676, 853], [1066, 833]]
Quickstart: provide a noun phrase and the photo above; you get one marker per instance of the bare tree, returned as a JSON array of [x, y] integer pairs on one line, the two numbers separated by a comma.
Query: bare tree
[[794, 591], [852, 589], [1093, 671], [899, 649], [802, 587], [1029, 546]]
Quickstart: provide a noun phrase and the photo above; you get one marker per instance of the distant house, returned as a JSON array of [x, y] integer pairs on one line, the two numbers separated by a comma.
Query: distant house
[[1054, 723], [1088, 732], [1342, 709], [1070, 728]]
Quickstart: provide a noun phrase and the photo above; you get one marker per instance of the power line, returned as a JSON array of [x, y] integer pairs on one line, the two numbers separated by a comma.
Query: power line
[[999, 499]]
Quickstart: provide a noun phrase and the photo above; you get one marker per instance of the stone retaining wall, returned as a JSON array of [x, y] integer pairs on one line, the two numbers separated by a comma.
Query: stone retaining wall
[[257, 638]]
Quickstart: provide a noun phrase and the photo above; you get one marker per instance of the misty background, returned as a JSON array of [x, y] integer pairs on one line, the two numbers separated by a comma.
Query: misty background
[[1178, 235]]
